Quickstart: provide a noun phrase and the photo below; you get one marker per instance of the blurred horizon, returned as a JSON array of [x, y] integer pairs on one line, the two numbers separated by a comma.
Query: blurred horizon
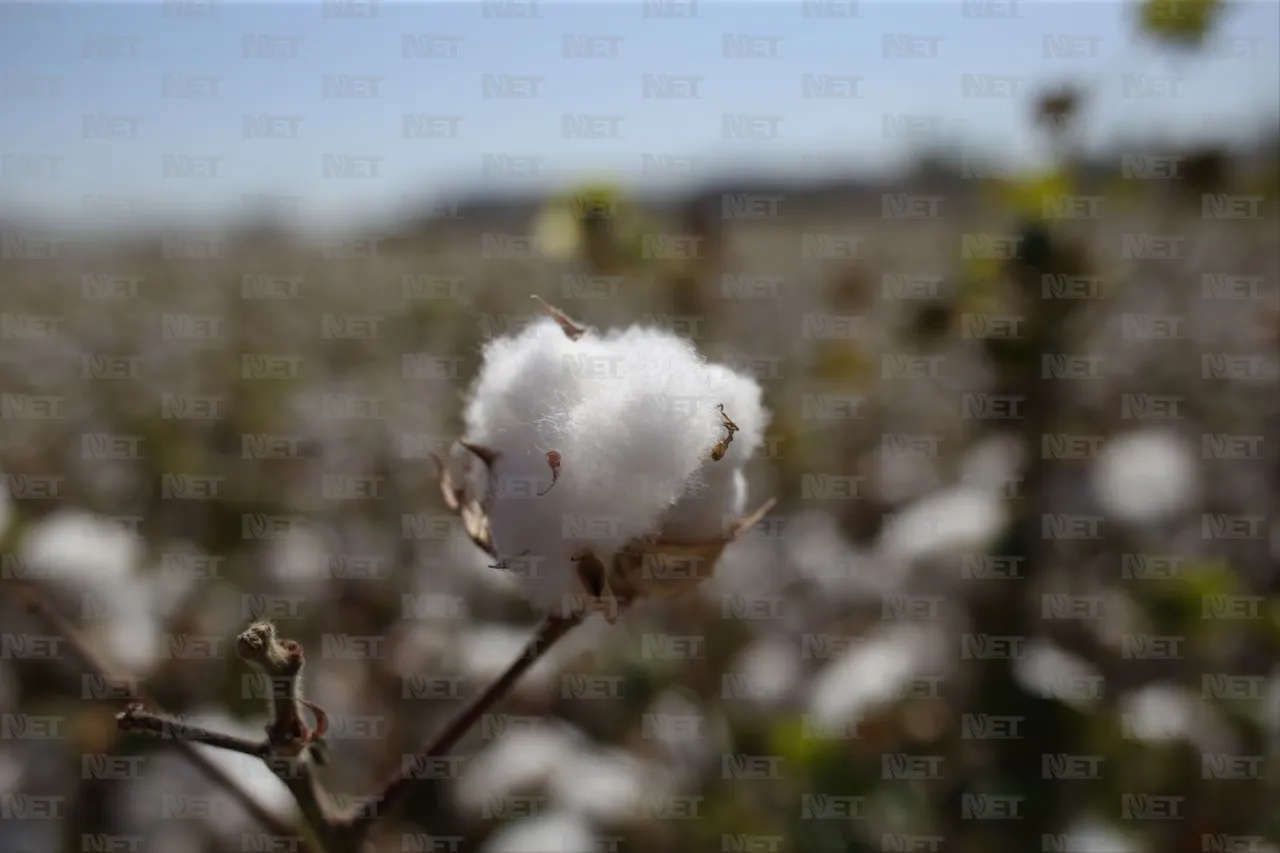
[[194, 112]]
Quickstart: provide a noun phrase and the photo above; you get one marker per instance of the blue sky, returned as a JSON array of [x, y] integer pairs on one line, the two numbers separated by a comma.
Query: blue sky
[[93, 101]]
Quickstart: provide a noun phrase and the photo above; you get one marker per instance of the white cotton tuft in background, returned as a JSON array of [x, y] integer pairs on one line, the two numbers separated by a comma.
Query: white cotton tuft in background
[[958, 519], [557, 832], [633, 415], [1145, 476]]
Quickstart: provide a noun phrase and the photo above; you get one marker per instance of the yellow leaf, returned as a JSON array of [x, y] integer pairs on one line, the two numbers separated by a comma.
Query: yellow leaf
[[556, 232], [1035, 194], [1181, 22]]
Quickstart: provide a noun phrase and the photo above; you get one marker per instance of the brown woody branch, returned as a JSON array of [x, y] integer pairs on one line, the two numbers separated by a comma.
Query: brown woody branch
[[136, 718], [92, 661], [292, 748], [357, 825]]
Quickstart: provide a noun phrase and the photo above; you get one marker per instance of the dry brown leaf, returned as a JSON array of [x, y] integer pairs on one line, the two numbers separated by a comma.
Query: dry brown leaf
[[473, 513]]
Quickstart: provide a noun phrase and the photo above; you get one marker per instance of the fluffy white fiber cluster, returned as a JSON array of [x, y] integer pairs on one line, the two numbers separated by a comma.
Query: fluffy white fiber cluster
[[630, 417]]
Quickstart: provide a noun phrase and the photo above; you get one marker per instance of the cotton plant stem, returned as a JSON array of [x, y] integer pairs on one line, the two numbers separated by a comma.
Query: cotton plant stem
[[298, 775], [97, 665], [398, 787], [136, 718]]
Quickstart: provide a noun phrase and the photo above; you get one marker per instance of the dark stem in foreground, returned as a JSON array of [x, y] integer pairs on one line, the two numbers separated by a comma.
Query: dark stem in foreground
[[136, 718], [93, 662], [398, 787], [292, 748]]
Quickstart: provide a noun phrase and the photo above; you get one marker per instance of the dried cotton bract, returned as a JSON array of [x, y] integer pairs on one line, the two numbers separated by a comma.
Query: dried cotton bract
[[603, 467]]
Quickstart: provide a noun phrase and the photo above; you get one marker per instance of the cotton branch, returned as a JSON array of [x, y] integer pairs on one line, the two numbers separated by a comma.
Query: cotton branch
[[292, 748], [93, 662], [136, 718], [358, 824]]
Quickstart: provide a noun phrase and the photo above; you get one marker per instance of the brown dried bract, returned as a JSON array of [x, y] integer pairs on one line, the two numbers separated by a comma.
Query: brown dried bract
[[553, 461], [474, 513], [571, 329], [657, 568], [722, 446]]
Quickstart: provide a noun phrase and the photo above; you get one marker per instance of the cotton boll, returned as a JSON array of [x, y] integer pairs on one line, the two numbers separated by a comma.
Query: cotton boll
[[518, 760], [872, 673], [960, 519], [1090, 833], [767, 667], [528, 529], [77, 547], [97, 559], [485, 652], [522, 383], [632, 417], [708, 509], [720, 494], [521, 389], [552, 833], [1159, 712], [992, 464], [818, 551], [133, 636], [637, 444], [687, 735], [1046, 670], [742, 399], [632, 445], [604, 785], [1144, 476]]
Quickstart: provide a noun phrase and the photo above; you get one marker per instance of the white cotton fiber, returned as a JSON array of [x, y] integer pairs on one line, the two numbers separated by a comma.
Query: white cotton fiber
[[633, 416]]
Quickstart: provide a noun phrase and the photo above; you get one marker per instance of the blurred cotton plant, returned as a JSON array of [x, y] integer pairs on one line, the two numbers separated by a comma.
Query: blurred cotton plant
[[603, 467], [593, 222]]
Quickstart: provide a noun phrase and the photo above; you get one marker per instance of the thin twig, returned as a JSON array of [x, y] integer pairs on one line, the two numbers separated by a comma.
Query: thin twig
[[136, 718], [94, 662], [399, 786], [572, 330]]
